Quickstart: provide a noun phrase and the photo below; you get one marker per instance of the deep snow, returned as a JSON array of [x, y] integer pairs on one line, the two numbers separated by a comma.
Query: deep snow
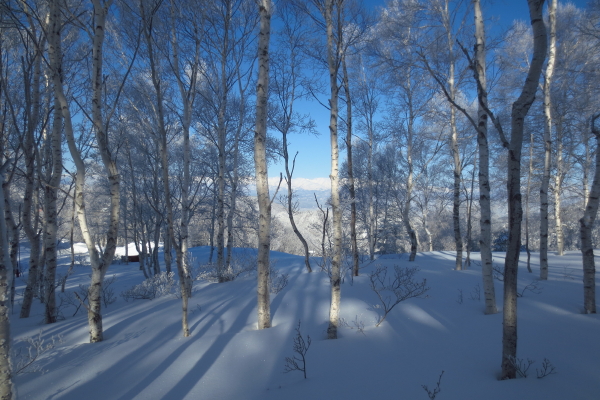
[[144, 355]]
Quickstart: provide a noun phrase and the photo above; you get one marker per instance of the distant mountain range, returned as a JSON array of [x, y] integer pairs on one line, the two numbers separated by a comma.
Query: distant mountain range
[[304, 191]]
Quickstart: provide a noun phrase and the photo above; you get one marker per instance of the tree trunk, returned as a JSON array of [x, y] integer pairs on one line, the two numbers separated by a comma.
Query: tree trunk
[[187, 99], [485, 221], [586, 224], [260, 162], [469, 215], [547, 142], [51, 228], [558, 178], [7, 390], [454, 143], [333, 52], [371, 218], [222, 136], [520, 109], [234, 188], [169, 239], [99, 262], [528, 190], [30, 213], [351, 187]]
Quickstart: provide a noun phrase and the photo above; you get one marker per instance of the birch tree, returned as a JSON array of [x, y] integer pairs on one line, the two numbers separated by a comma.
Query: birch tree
[[35, 42], [485, 220], [260, 162], [286, 89], [478, 65], [7, 389], [99, 260], [520, 109], [186, 83], [547, 142], [332, 12]]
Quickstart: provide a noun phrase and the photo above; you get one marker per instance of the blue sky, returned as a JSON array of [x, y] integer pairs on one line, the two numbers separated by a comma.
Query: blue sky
[[314, 152]]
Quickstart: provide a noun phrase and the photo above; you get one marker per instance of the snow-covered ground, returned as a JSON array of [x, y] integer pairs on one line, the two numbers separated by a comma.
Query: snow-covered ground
[[144, 355]]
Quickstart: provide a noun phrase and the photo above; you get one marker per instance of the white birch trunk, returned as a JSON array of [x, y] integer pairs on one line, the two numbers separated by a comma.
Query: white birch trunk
[[260, 162], [558, 178], [51, 228], [485, 221], [515, 211], [187, 99], [169, 239], [333, 53], [371, 219], [221, 139], [547, 141], [30, 213]]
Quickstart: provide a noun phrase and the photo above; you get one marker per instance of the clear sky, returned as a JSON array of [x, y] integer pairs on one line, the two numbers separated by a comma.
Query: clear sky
[[314, 152]]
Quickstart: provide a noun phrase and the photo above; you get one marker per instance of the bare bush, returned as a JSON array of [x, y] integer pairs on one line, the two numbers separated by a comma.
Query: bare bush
[[547, 369], [534, 287], [78, 297], [392, 290], [476, 293], [29, 350], [359, 325], [298, 361], [521, 365], [157, 286], [277, 281], [436, 390]]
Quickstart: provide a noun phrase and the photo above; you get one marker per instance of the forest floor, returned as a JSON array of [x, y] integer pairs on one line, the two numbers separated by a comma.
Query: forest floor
[[144, 355]]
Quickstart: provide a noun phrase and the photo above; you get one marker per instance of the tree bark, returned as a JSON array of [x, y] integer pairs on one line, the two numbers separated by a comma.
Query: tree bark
[[485, 221], [7, 389], [351, 186], [187, 99], [51, 228], [333, 62], [586, 224], [520, 109], [30, 213], [260, 162], [558, 178], [547, 141], [454, 142], [527, 193]]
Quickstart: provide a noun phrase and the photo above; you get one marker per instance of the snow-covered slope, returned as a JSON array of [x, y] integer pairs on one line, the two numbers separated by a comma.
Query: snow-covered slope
[[145, 357]]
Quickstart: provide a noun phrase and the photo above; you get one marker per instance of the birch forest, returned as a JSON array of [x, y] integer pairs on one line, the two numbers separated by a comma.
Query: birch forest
[[160, 126]]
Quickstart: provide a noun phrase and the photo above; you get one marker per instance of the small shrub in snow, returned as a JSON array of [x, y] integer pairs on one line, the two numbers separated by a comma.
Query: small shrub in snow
[[78, 297], [568, 273], [157, 286], [459, 299], [547, 369], [359, 325], [277, 281], [436, 390], [534, 287], [29, 350], [392, 290], [241, 263], [521, 366], [298, 361], [476, 293]]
